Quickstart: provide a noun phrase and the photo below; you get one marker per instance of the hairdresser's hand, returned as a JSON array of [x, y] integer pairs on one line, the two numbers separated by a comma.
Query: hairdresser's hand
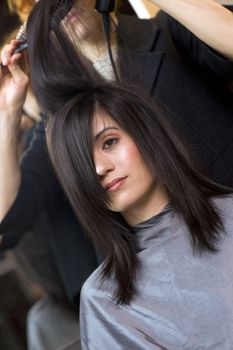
[[13, 88], [13, 83]]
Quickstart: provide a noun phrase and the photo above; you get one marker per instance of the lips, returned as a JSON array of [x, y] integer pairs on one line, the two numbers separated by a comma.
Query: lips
[[114, 185]]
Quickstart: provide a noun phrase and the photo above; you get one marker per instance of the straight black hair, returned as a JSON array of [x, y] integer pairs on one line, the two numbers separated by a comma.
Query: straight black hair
[[70, 143], [54, 53]]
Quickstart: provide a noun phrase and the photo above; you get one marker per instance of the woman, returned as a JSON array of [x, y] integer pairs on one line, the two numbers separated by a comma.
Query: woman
[[166, 230]]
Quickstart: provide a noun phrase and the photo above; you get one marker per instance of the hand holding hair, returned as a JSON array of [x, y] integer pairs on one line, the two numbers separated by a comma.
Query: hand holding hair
[[20, 43], [13, 81]]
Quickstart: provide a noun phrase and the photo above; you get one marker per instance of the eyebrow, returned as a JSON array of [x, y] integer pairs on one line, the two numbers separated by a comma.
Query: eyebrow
[[97, 136]]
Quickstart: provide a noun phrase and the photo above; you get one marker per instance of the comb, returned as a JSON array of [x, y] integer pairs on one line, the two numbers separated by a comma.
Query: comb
[[21, 36]]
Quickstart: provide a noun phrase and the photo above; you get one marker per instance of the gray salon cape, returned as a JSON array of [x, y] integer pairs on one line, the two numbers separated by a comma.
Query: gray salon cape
[[183, 301]]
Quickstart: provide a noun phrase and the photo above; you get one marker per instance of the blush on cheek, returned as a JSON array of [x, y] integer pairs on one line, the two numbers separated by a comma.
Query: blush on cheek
[[129, 155]]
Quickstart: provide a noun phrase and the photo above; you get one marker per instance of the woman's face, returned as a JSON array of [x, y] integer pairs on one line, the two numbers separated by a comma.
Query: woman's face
[[123, 173]]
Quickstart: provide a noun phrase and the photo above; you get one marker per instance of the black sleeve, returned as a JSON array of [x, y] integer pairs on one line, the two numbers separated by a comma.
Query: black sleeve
[[39, 189], [200, 52]]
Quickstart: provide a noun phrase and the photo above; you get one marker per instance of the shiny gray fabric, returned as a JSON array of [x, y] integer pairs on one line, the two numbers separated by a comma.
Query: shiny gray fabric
[[183, 301], [51, 325]]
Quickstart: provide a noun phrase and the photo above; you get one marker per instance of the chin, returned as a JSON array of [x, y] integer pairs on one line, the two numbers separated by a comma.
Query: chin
[[119, 207], [121, 201]]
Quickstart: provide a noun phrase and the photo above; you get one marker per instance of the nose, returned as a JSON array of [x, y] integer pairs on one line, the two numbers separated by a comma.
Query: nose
[[103, 164]]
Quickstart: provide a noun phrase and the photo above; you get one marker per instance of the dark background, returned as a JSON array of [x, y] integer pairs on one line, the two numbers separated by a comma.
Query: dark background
[[7, 22]]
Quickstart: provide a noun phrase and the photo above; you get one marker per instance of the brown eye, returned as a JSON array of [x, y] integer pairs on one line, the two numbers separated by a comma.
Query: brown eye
[[110, 142]]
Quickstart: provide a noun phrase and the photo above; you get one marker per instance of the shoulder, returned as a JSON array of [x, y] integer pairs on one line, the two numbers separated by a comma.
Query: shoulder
[[96, 287], [224, 202], [191, 47], [224, 206], [92, 284]]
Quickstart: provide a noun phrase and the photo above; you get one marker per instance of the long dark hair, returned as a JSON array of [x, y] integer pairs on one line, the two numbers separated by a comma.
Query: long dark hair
[[70, 143], [55, 53]]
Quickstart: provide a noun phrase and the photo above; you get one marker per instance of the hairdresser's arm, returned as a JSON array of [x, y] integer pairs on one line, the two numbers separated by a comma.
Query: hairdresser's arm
[[31, 187], [208, 20], [38, 190], [13, 84]]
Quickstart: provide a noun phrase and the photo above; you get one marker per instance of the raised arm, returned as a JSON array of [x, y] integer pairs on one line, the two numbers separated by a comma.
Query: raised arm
[[209, 21], [13, 86]]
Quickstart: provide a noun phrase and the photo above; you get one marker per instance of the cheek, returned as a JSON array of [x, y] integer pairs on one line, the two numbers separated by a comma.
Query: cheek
[[128, 157], [136, 166]]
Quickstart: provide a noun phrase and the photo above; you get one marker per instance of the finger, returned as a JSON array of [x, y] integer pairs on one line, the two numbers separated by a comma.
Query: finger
[[3, 71], [7, 53], [19, 77], [15, 58], [14, 42]]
